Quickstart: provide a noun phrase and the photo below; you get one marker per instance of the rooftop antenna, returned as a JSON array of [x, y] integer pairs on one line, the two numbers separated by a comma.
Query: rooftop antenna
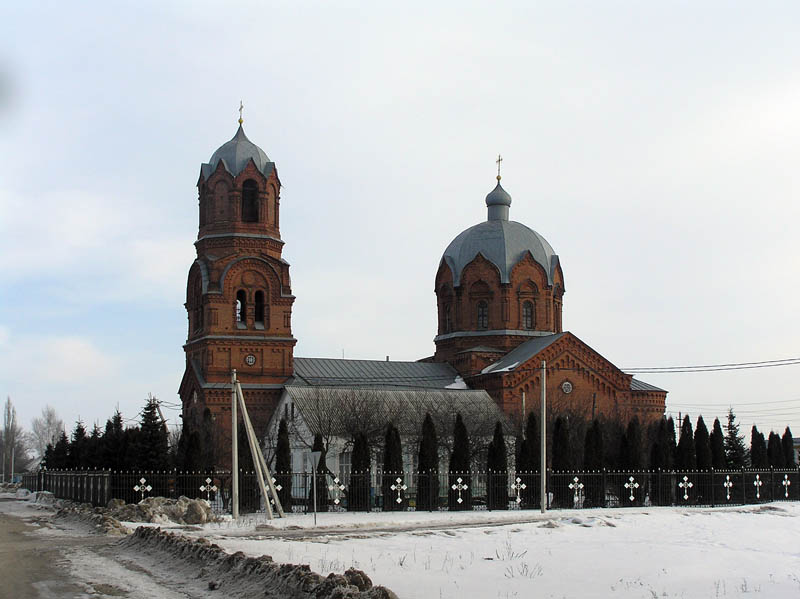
[[241, 107]]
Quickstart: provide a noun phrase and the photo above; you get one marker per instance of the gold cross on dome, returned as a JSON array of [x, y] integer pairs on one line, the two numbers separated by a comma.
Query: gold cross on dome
[[498, 161], [241, 107]]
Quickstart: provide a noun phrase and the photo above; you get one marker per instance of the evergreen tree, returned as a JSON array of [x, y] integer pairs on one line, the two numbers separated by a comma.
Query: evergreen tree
[[593, 461], [758, 449], [530, 456], [717, 442], [152, 449], [283, 466], [358, 494], [775, 451], [428, 465], [47, 460], [562, 455], [702, 446], [94, 458], [392, 469], [673, 445], [322, 470], [78, 447], [208, 441], [660, 462], [686, 456], [60, 457], [112, 445], [130, 449], [497, 466], [787, 443], [460, 469], [630, 454], [735, 451]]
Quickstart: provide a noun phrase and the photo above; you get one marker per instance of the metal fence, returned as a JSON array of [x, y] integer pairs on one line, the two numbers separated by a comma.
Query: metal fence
[[387, 491]]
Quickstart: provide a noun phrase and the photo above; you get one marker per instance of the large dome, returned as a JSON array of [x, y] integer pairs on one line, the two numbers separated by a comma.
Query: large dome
[[235, 155], [501, 241]]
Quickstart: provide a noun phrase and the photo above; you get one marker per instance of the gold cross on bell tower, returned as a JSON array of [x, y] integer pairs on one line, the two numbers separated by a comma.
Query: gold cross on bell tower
[[241, 107], [498, 161]]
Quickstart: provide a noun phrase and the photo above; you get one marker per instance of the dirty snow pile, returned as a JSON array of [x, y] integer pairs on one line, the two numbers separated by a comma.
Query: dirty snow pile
[[239, 575], [161, 510]]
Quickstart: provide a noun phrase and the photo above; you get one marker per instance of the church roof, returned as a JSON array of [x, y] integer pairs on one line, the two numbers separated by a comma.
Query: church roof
[[235, 154], [364, 373], [637, 385], [522, 353], [501, 241]]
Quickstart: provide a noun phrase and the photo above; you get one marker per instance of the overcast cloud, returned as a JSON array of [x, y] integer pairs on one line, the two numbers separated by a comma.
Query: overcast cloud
[[655, 148]]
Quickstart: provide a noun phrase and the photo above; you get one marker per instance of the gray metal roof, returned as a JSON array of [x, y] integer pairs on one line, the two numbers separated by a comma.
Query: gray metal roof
[[364, 373], [235, 155], [330, 407], [522, 353], [503, 243], [637, 385]]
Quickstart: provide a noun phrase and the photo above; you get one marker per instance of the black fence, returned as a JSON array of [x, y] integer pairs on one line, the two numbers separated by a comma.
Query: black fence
[[401, 491]]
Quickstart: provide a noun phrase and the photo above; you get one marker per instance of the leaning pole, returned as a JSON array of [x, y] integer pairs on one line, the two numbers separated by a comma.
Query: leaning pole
[[543, 443]]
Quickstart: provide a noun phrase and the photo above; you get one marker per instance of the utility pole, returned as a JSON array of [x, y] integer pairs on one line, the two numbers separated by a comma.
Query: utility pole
[[543, 443], [234, 449], [523, 415]]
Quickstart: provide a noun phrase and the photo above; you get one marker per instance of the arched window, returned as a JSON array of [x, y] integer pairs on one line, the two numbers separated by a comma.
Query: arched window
[[241, 306], [448, 319], [527, 315], [260, 311], [483, 315], [249, 202]]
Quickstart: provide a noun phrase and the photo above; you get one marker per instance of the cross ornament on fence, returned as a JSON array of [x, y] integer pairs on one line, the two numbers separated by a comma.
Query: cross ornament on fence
[[336, 487], [459, 486], [517, 487], [631, 485], [142, 487], [577, 486], [686, 485], [278, 487], [208, 488], [399, 487], [757, 484], [786, 482], [728, 484]]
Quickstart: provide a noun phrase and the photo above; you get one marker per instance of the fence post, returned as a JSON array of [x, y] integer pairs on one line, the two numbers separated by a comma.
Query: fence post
[[603, 488]]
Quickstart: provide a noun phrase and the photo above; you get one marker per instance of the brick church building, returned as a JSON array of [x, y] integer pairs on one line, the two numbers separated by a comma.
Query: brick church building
[[499, 295]]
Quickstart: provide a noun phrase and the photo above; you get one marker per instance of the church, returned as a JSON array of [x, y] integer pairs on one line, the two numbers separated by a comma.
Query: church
[[499, 294]]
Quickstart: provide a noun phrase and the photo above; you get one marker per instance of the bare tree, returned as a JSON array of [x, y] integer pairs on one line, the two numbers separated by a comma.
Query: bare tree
[[15, 443], [45, 430]]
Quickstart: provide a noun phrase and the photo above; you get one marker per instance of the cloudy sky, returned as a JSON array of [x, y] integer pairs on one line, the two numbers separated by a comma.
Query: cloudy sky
[[655, 147]]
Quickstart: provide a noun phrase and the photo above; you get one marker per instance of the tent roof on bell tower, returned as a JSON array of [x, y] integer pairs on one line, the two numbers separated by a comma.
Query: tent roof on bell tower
[[236, 154]]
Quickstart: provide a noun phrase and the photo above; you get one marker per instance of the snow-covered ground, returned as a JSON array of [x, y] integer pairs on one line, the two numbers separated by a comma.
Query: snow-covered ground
[[654, 552]]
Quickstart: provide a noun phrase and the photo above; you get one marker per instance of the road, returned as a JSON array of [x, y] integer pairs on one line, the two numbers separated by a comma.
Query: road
[[40, 559]]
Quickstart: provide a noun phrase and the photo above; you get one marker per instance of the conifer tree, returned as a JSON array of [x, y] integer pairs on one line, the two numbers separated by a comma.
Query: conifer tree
[[47, 460], [758, 449], [593, 461], [94, 456], [717, 442], [358, 494], [460, 469], [392, 469], [661, 461], [283, 466], [497, 466], [322, 470], [153, 440], [78, 447], [112, 445], [428, 465], [530, 456], [60, 457], [702, 445], [673, 445], [630, 455], [787, 443], [775, 451], [562, 455], [735, 451], [686, 456]]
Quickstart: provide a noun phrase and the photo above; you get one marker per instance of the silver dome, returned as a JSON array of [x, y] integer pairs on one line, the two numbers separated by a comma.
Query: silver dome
[[235, 155], [501, 241]]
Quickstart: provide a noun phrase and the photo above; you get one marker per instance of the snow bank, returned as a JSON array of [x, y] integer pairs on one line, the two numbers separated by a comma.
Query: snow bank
[[251, 576]]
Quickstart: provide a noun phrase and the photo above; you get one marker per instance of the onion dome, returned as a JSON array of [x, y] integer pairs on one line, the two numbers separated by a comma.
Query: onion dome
[[236, 154]]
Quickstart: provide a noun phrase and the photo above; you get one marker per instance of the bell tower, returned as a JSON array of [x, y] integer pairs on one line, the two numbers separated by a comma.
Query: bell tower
[[238, 294]]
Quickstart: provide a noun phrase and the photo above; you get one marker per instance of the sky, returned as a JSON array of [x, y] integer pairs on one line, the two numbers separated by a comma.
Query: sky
[[653, 146]]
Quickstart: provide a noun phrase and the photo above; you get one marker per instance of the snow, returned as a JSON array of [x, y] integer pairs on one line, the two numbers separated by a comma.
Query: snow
[[457, 384], [506, 369], [652, 552]]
